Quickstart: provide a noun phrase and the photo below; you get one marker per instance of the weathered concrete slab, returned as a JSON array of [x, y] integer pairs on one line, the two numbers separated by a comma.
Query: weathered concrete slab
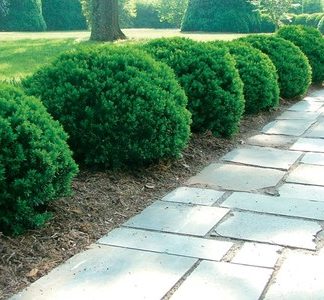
[[316, 99], [296, 115], [263, 157], [272, 140], [270, 229], [308, 144], [300, 277], [167, 243], [276, 205], [319, 93], [212, 280], [313, 159], [255, 254], [287, 127], [110, 273], [178, 218], [237, 178], [193, 196], [316, 131], [305, 106], [307, 174], [309, 192]]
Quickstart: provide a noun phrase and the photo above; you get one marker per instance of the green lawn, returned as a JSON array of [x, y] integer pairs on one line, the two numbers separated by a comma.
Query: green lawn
[[22, 53]]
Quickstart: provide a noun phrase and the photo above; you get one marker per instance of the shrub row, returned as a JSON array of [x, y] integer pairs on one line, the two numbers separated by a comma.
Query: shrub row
[[123, 108], [311, 20]]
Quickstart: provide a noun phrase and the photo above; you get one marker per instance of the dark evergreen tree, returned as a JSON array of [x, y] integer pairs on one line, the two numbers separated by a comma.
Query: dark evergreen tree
[[24, 15], [63, 15], [221, 16]]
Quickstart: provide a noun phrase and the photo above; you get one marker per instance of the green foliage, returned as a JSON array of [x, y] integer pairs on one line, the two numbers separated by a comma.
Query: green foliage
[[259, 76], [172, 11], [267, 24], [307, 6], [24, 15], [310, 41], [119, 106], [210, 80], [321, 25], [311, 20], [221, 16], [63, 15], [292, 65], [35, 162]]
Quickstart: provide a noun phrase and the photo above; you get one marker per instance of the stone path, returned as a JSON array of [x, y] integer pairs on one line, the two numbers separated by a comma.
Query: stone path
[[247, 227]]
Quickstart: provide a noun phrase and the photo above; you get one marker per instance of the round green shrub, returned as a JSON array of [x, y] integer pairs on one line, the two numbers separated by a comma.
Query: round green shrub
[[120, 107], [36, 165], [293, 69], [210, 80], [259, 76], [310, 41]]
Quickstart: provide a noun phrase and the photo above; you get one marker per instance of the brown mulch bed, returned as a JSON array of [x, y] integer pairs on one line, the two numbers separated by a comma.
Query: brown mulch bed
[[103, 201]]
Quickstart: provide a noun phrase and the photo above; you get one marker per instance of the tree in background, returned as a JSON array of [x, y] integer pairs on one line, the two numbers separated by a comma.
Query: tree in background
[[24, 15], [105, 21], [275, 9], [172, 11], [3, 8], [307, 6], [221, 16], [63, 15]]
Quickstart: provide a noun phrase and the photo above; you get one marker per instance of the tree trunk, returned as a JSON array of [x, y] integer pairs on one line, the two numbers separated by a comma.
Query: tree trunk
[[105, 21]]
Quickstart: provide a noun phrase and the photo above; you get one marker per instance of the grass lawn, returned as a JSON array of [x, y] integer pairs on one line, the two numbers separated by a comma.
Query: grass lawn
[[22, 53]]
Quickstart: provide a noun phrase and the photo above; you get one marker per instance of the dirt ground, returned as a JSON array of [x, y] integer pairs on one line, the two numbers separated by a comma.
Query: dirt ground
[[103, 201]]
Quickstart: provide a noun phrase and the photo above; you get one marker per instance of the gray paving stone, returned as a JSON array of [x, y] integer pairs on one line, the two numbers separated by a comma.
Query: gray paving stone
[[193, 196], [308, 144], [271, 140], [255, 254], [167, 243], [276, 205], [287, 127], [110, 273], [316, 99], [263, 157], [270, 229], [178, 218], [307, 174], [313, 159], [296, 115], [309, 192], [316, 131], [300, 277], [319, 93], [304, 106], [214, 280], [237, 178]]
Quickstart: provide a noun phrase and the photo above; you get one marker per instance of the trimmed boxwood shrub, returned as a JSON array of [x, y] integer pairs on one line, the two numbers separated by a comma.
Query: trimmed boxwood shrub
[[36, 165], [259, 75], [292, 65], [221, 16], [120, 107], [210, 80], [311, 42]]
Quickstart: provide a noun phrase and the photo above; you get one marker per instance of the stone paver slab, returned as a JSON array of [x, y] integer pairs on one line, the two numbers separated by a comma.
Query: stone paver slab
[[296, 115], [307, 174], [276, 205], [272, 140], [193, 196], [313, 159], [314, 98], [210, 281], [255, 254], [270, 229], [237, 178], [319, 93], [287, 127], [178, 218], [305, 106], [110, 273], [308, 144], [167, 243], [263, 157], [309, 192], [300, 277], [316, 131]]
